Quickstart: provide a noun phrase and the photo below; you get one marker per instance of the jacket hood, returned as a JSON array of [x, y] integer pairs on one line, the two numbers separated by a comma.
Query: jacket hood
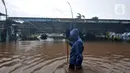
[[74, 34]]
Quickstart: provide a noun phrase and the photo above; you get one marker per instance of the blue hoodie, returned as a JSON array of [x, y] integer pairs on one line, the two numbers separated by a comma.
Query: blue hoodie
[[76, 56]]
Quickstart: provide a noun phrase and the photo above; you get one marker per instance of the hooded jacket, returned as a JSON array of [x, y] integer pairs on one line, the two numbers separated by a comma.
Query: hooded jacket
[[76, 57]]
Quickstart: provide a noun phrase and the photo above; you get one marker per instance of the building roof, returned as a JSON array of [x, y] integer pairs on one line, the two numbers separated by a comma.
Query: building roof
[[37, 19], [1, 14]]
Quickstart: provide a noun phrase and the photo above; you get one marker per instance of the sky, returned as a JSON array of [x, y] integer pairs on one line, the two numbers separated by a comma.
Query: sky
[[103, 9]]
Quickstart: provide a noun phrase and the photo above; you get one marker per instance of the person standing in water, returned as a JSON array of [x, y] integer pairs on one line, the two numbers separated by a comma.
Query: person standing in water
[[76, 56]]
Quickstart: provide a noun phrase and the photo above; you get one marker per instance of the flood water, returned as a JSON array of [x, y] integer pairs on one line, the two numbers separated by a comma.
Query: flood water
[[50, 57]]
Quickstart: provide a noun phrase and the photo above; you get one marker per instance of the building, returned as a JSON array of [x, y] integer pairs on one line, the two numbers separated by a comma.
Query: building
[[2, 22], [59, 25]]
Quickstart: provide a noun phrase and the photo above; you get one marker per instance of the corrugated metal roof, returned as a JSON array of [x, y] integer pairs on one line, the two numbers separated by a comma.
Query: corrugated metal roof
[[1, 14]]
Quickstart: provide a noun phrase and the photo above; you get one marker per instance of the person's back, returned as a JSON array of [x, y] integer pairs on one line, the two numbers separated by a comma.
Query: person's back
[[76, 56]]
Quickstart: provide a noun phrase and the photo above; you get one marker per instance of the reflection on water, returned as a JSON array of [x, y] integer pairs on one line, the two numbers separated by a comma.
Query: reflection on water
[[50, 57], [52, 40]]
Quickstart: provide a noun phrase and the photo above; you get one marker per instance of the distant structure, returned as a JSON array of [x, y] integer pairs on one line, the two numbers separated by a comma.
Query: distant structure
[[95, 25], [7, 29], [1, 14], [2, 26]]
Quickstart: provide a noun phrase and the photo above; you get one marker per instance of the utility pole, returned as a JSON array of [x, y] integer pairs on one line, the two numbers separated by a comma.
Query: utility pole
[[71, 15], [68, 31], [6, 25], [70, 9]]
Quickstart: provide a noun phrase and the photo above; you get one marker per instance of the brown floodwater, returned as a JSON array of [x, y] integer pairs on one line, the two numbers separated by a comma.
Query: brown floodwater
[[50, 57]]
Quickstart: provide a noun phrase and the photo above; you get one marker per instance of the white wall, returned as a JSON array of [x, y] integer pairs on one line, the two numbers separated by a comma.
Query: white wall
[[2, 17]]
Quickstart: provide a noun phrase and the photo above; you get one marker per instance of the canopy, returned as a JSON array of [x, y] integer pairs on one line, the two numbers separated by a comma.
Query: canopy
[[1, 14]]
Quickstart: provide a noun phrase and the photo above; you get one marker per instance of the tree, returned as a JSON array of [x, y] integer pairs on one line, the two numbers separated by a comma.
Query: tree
[[83, 16], [80, 16], [95, 18]]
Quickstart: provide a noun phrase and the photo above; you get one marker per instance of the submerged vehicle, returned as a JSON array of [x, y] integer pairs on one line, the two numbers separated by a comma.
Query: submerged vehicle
[[42, 36]]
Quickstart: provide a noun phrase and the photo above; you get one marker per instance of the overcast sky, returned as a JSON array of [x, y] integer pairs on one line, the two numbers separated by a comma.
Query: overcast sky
[[107, 9]]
